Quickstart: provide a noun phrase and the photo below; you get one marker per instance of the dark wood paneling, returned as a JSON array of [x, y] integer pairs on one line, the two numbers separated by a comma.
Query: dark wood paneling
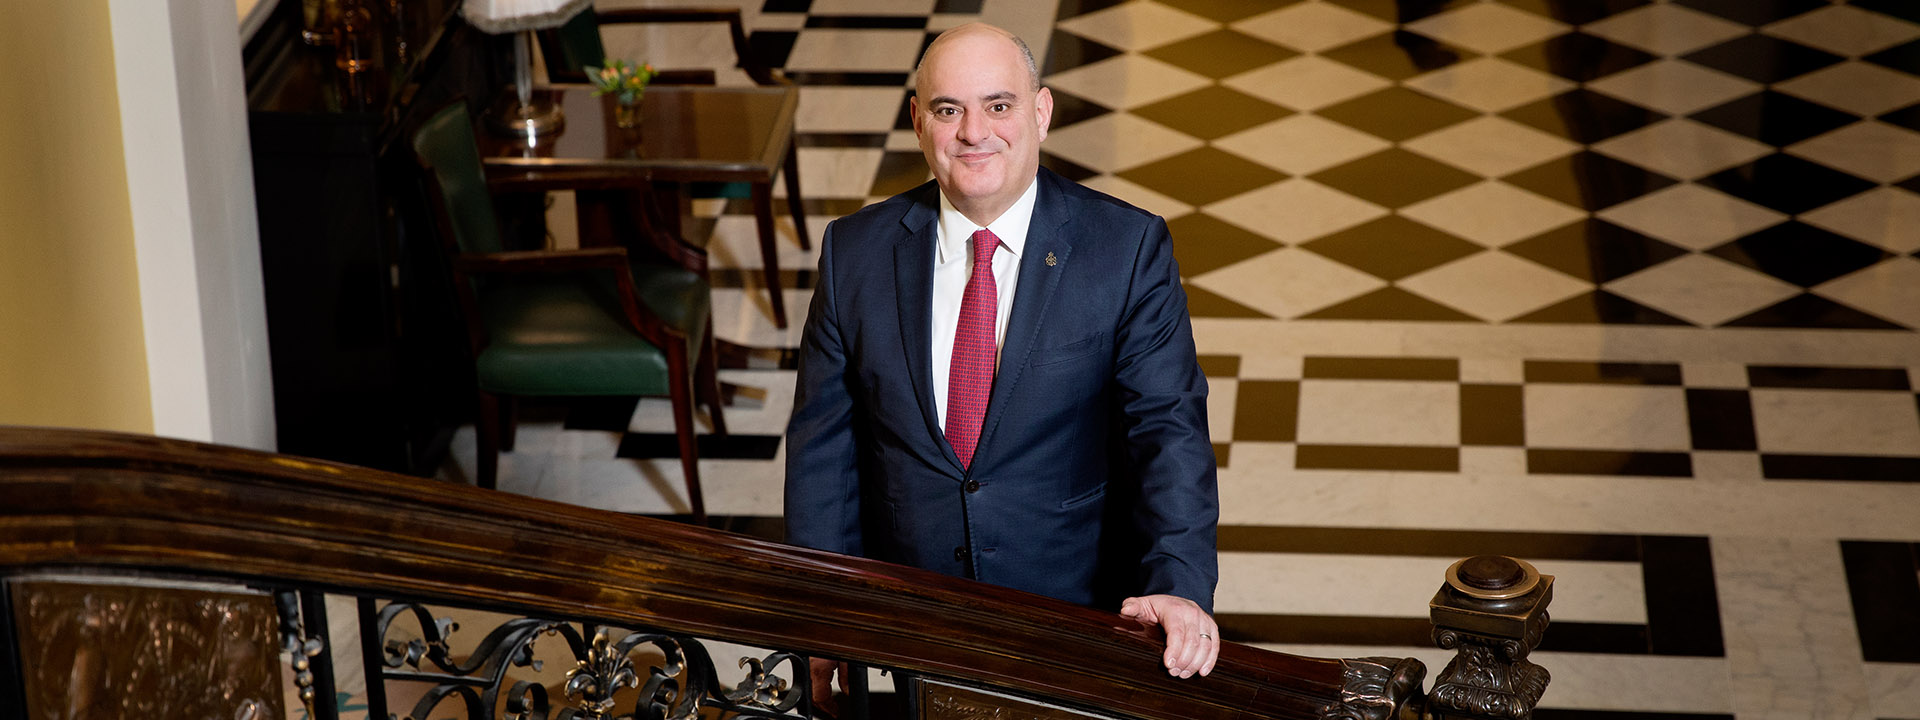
[[365, 367]]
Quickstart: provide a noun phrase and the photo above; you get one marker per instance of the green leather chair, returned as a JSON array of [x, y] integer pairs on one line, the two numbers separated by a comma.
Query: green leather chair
[[563, 323], [571, 48]]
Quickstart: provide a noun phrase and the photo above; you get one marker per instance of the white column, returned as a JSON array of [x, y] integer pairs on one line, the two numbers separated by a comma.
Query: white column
[[196, 239]]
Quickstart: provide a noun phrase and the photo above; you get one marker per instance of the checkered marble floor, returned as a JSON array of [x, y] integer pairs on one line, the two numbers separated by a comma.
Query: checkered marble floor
[[1628, 288]]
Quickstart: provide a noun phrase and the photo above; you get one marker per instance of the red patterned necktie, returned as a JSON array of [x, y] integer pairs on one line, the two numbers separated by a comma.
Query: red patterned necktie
[[970, 376]]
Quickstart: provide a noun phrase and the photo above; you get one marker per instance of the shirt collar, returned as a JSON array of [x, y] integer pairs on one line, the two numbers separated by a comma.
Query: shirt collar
[[956, 231]]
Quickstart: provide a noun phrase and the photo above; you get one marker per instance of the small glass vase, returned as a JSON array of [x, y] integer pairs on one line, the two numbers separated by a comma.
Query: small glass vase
[[626, 116]]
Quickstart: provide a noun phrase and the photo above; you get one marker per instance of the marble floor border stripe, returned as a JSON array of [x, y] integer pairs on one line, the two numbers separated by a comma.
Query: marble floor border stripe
[[1493, 415], [1776, 466], [1556, 461], [1398, 586], [1430, 543], [741, 278], [1683, 604], [1265, 338], [1827, 378], [840, 140], [1567, 637], [1266, 410], [1403, 458], [1883, 581], [606, 414], [1323, 630], [1221, 366], [1721, 419], [827, 208], [959, 7], [841, 78], [1380, 368], [1608, 373], [735, 446], [868, 22], [733, 356]]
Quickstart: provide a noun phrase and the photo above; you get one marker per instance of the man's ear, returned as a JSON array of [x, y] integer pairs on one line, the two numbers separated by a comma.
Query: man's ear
[[913, 110], [1042, 108]]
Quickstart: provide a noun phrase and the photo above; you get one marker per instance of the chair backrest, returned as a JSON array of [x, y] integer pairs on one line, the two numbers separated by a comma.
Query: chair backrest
[[569, 49], [445, 148]]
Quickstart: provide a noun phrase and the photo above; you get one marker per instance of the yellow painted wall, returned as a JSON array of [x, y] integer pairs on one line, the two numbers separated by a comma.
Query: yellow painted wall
[[71, 349]]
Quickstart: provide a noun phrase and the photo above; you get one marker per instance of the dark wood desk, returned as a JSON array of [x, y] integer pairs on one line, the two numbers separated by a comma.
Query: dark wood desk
[[687, 134]]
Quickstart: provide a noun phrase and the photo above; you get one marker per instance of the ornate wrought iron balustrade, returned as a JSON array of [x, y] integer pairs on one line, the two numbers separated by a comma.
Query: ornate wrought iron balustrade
[[621, 613]]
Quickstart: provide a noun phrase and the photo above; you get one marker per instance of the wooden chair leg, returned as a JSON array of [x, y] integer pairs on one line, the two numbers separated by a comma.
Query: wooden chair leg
[[508, 407], [769, 254], [681, 393], [706, 376], [486, 431], [794, 205]]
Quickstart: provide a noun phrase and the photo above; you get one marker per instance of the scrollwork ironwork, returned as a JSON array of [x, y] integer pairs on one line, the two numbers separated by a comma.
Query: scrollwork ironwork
[[680, 679]]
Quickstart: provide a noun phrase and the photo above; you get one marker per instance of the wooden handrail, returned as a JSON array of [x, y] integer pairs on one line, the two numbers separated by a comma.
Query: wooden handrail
[[92, 499]]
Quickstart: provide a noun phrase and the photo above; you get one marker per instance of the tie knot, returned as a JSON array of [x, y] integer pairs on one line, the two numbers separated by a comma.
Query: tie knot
[[984, 243]]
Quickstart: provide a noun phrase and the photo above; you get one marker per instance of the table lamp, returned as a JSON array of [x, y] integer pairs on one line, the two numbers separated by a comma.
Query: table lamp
[[520, 114]]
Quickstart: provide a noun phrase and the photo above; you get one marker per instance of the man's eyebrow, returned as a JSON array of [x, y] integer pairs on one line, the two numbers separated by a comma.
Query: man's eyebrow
[[990, 97]]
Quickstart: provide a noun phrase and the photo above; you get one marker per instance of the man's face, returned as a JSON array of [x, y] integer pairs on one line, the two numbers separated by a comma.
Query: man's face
[[980, 122]]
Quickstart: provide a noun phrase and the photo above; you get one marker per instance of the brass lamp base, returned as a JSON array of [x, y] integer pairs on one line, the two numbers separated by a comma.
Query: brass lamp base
[[539, 116]]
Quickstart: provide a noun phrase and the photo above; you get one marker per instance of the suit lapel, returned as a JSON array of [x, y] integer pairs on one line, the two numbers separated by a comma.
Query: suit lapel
[[1038, 279], [913, 284]]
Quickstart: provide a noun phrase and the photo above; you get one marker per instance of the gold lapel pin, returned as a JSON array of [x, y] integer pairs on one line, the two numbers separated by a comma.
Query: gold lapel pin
[[1051, 261]]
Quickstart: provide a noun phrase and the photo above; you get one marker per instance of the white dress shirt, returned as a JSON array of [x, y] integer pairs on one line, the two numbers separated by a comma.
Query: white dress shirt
[[953, 265]]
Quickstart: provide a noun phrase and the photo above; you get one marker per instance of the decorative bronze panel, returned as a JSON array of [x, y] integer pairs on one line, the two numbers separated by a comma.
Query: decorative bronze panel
[[126, 649], [942, 701]]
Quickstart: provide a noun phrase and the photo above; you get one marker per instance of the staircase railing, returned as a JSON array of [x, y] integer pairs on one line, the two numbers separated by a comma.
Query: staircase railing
[[181, 580]]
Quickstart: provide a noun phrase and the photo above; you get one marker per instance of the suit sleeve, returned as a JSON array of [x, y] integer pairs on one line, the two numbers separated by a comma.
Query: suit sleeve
[[823, 482], [1163, 401]]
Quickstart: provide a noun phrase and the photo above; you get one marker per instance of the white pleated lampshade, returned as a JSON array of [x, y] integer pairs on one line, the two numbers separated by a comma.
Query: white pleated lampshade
[[506, 16]]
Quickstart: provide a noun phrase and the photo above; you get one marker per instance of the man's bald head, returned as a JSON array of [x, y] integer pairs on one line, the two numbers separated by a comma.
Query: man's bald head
[[977, 30], [980, 114]]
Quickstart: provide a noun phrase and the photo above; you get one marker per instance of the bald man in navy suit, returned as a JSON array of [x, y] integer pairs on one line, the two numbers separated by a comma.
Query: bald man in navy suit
[[1041, 426]]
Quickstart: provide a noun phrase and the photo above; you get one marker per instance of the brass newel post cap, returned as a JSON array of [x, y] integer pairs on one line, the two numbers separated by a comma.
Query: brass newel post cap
[[1493, 577], [1491, 595]]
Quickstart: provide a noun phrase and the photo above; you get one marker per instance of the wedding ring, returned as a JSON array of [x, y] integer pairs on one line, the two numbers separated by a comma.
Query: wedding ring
[[1205, 636]]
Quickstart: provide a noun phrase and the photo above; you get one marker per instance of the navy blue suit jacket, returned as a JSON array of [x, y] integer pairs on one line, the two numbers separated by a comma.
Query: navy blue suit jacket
[[1094, 479]]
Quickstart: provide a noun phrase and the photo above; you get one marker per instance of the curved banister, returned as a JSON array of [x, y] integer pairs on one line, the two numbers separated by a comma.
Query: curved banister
[[91, 499]]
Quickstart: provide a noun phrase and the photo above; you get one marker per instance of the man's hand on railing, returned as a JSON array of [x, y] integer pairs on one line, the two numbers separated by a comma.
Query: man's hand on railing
[[822, 671], [1193, 640]]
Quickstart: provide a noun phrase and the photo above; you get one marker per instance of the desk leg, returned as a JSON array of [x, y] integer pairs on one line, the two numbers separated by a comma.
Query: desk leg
[[794, 205], [769, 254]]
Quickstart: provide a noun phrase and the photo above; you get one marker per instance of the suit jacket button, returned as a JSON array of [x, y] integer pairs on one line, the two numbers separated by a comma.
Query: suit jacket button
[[960, 554], [973, 486]]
